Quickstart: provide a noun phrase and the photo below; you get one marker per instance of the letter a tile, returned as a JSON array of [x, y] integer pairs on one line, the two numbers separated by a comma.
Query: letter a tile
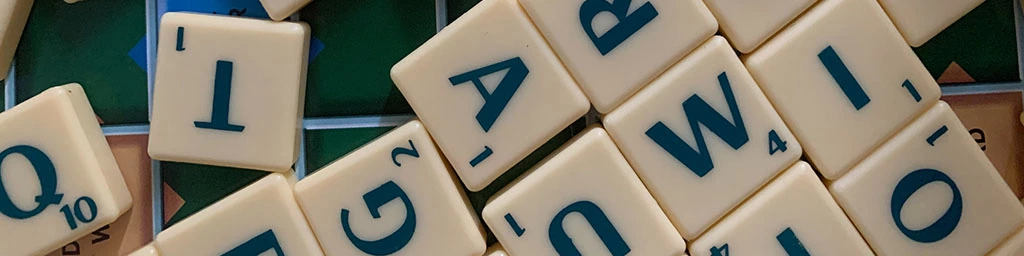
[[489, 90]]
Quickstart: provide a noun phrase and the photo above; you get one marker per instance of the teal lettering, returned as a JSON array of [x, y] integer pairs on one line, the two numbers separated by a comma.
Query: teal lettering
[[699, 112], [374, 200], [494, 103], [47, 176], [941, 227], [628, 23], [598, 221], [258, 245]]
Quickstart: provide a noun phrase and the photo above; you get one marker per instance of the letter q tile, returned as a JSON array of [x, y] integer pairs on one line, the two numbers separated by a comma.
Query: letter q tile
[[58, 178]]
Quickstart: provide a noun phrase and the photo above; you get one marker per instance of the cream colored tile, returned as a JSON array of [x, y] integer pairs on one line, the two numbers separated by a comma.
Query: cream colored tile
[[843, 80], [742, 145], [489, 90], [614, 48], [496, 250], [792, 215], [229, 91], [929, 191], [583, 200], [262, 217], [13, 15], [281, 9], [59, 178], [395, 195], [920, 20], [747, 24], [1013, 246], [148, 250]]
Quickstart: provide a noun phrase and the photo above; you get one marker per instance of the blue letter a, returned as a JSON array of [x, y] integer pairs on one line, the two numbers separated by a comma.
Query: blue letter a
[[699, 112], [629, 23], [494, 102], [597, 219]]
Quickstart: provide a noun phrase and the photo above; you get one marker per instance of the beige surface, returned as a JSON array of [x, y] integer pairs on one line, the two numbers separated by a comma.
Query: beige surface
[[266, 91], [609, 79], [587, 175], [992, 120], [148, 250], [547, 101], [989, 210], [1013, 246], [747, 23], [795, 200], [266, 205], [495, 250], [920, 20], [13, 15], [834, 134], [60, 123], [443, 223], [736, 173], [281, 9]]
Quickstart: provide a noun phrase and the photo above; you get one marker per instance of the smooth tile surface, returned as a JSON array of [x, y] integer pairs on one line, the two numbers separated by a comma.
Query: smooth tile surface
[[60, 180], [148, 250], [793, 215], [281, 9], [703, 127], [260, 218], [614, 48], [747, 24], [843, 80], [929, 191], [13, 15], [1013, 246], [920, 20], [135, 228], [395, 195], [583, 200], [489, 98], [496, 250], [229, 91]]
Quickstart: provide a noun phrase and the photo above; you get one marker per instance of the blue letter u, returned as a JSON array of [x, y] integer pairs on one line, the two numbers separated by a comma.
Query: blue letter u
[[597, 219]]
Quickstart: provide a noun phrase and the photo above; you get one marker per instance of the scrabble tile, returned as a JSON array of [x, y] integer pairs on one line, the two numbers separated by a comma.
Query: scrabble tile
[[243, 80], [495, 250], [281, 9], [920, 20], [659, 131], [259, 218], [929, 191], [613, 48], [793, 215], [429, 215], [843, 80], [245, 8], [747, 24], [13, 15], [584, 199], [489, 90], [1014, 245], [148, 250], [135, 228], [992, 120], [68, 181]]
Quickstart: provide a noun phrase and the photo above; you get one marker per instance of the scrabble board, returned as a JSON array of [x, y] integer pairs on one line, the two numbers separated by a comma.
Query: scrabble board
[[110, 48]]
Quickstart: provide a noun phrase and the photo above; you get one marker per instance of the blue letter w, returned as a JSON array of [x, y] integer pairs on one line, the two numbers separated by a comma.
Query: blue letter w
[[699, 112]]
